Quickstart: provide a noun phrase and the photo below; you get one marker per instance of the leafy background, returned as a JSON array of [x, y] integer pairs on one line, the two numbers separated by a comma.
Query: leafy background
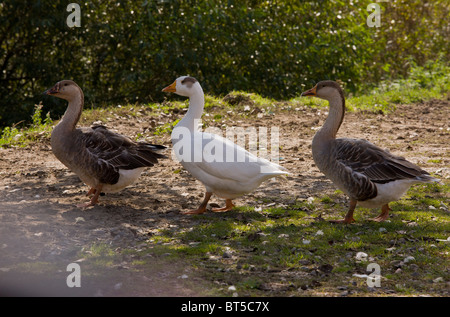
[[126, 51]]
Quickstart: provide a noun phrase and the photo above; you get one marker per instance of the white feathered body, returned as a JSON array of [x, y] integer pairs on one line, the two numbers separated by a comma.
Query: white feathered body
[[224, 168]]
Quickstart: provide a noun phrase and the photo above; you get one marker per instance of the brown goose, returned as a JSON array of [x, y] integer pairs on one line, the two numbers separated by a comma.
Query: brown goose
[[105, 161], [369, 175]]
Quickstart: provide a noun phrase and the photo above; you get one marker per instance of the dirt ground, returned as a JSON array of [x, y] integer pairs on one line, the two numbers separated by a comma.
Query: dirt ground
[[39, 222]]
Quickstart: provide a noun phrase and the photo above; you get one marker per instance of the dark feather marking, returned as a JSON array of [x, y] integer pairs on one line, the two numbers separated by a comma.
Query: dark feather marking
[[370, 164], [189, 81], [108, 152]]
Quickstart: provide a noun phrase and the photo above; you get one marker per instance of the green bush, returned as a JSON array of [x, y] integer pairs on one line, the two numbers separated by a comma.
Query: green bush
[[126, 51]]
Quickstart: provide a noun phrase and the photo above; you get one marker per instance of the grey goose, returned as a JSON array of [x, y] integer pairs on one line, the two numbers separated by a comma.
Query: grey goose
[[369, 175], [105, 161]]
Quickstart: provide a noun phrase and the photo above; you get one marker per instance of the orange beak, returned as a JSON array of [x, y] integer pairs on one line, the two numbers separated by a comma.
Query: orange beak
[[171, 88], [311, 92]]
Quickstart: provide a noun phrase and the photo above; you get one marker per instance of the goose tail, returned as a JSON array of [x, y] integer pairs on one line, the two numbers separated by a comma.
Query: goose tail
[[428, 179], [155, 147], [273, 169]]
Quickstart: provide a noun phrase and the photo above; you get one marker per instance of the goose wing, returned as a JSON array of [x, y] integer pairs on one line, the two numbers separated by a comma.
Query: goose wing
[[363, 165], [108, 152], [379, 165], [224, 159]]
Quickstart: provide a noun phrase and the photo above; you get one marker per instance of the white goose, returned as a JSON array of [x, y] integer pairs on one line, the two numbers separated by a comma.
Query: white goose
[[369, 175], [231, 171], [105, 161]]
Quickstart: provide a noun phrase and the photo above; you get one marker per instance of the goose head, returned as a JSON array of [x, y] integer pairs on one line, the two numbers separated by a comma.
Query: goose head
[[65, 89], [184, 86], [327, 89]]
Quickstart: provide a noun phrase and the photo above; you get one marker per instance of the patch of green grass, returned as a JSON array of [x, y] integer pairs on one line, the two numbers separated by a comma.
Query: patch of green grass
[[165, 128], [422, 84], [39, 129], [278, 250], [101, 255], [37, 267], [242, 98], [432, 81], [326, 200]]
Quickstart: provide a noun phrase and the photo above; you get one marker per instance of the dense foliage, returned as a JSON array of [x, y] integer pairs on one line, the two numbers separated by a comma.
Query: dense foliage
[[126, 51]]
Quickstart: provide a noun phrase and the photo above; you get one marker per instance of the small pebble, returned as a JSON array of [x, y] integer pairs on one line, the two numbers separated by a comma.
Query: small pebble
[[79, 219], [232, 288], [409, 259], [361, 256], [359, 275], [413, 266], [443, 206], [382, 229]]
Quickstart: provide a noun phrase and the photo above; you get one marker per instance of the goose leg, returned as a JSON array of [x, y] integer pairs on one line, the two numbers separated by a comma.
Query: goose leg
[[384, 214], [349, 216], [202, 207], [94, 199], [229, 205], [91, 191]]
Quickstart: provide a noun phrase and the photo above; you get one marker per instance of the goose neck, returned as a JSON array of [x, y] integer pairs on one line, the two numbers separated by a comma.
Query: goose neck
[[72, 114], [195, 111], [334, 119]]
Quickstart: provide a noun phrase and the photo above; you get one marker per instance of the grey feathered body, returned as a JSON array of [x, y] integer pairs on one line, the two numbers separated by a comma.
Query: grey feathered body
[[99, 156], [362, 170], [366, 173]]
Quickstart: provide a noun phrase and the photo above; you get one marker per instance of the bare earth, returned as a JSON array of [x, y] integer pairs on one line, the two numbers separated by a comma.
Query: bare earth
[[39, 222]]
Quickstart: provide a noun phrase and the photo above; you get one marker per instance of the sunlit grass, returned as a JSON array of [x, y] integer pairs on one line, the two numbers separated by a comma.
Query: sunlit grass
[[39, 129], [254, 248]]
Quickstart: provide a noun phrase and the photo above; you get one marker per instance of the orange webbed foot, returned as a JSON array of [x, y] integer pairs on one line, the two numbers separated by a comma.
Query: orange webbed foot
[[229, 206], [198, 211], [384, 214]]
